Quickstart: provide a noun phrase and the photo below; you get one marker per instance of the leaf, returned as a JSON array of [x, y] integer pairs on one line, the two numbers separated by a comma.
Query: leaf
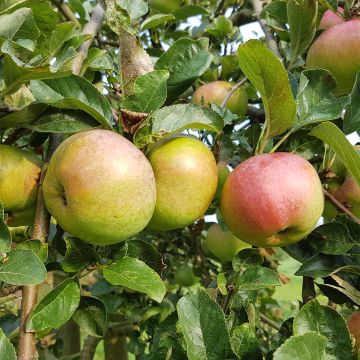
[[302, 18], [91, 316], [56, 308], [74, 92], [150, 92], [63, 122], [7, 350], [257, 277], [244, 343], [155, 20], [185, 60], [62, 33], [352, 114], [203, 324], [327, 322], [22, 267], [136, 275], [347, 289], [247, 257], [5, 236], [97, 59], [221, 283], [315, 101], [335, 138], [310, 346], [187, 11], [78, 255], [135, 8], [37, 246], [268, 75]]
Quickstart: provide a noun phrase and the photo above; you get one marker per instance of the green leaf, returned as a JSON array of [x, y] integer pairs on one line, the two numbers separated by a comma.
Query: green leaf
[[327, 322], [63, 122], [187, 11], [185, 60], [352, 114], [346, 289], [149, 92], [257, 277], [7, 350], [62, 33], [22, 267], [335, 138], [302, 18], [91, 316], [155, 20], [37, 246], [74, 92], [78, 255], [135, 8], [5, 236], [268, 75], [136, 275], [97, 59], [247, 257], [244, 343], [315, 102], [310, 346], [56, 308], [203, 324]]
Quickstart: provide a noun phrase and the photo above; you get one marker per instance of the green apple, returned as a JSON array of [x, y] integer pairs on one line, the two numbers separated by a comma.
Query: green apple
[[223, 173], [100, 187], [186, 180], [184, 276], [223, 244], [19, 234], [272, 200], [216, 91], [19, 177]]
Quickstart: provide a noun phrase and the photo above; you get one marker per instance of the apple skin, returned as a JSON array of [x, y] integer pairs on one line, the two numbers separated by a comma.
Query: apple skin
[[349, 194], [186, 180], [223, 244], [223, 173], [272, 200], [331, 19], [100, 187], [354, 327], [184, 276], [19, 177], [216, 91], [337, 50]]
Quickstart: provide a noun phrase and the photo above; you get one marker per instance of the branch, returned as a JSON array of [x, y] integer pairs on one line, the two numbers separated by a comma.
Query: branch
[[270, 322], [308, 289], [14, 136], [9, 290], [341, 207], [89, 348], [113, 43], [4, 108], [66, 11], [232, 91]]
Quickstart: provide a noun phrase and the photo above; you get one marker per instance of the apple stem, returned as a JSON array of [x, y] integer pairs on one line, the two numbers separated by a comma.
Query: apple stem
[[232, 90]]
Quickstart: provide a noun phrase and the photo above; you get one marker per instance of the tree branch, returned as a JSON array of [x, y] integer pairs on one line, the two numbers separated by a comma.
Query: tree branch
[[89, 348], [66, 11], [232, 90], [9, 290], [308, 289]]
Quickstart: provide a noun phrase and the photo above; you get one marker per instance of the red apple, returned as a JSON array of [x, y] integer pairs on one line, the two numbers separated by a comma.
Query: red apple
[[354, 327], [349, 195], [272, 200], [330, 19]]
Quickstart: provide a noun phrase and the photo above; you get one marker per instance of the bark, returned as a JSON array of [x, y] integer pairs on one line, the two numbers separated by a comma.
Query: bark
[[116, 348]]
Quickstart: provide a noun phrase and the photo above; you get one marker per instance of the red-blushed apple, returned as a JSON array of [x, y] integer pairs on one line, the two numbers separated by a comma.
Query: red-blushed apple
[[186, 180], [349, 195], [223, 173], [330, 19], [337, 50], [19, 176], [354, 327], [223, 244], [216, 91], [272, 200], [100, 187], [184, 276]]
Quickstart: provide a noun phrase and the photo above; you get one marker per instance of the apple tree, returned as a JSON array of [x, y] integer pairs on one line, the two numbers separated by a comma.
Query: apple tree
[[179, 179]]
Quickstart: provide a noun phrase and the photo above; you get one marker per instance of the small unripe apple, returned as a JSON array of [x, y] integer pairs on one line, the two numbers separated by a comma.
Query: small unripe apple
[[19, 176], [330, 19], [223, 244], [272, 200], [100, 187], [337, 50], [216, 91], [186, 180], [354, 327], [223, 173], [349, 195], [184, 276]]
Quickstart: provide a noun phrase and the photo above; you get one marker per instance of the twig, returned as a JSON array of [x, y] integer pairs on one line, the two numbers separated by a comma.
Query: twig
[[66, 11], [308, 289], [7, 109], [270, 322], [232, 90], [14, 136], [89, 348], [341, 207], [9, 290], [113, 43]]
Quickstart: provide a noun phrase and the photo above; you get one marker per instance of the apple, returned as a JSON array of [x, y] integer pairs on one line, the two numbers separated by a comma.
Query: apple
[[19, 234], [216, 91], [337, 50], [349, 195], [100, 187], [223, 244], [272, 200], [19, 177], [21, 218], [330, 19], [223, 173], [186, 180], [184, 276], [354, 327]]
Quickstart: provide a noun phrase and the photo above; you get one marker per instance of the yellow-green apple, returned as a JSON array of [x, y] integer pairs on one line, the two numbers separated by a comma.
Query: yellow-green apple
[[337, 50], [223, 244], [272, 199], [331, 18], [216, 91], [100, 187], [186, 180], [184, 276], [354, 327], [19, 234], [19, 177], [223, 173]]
